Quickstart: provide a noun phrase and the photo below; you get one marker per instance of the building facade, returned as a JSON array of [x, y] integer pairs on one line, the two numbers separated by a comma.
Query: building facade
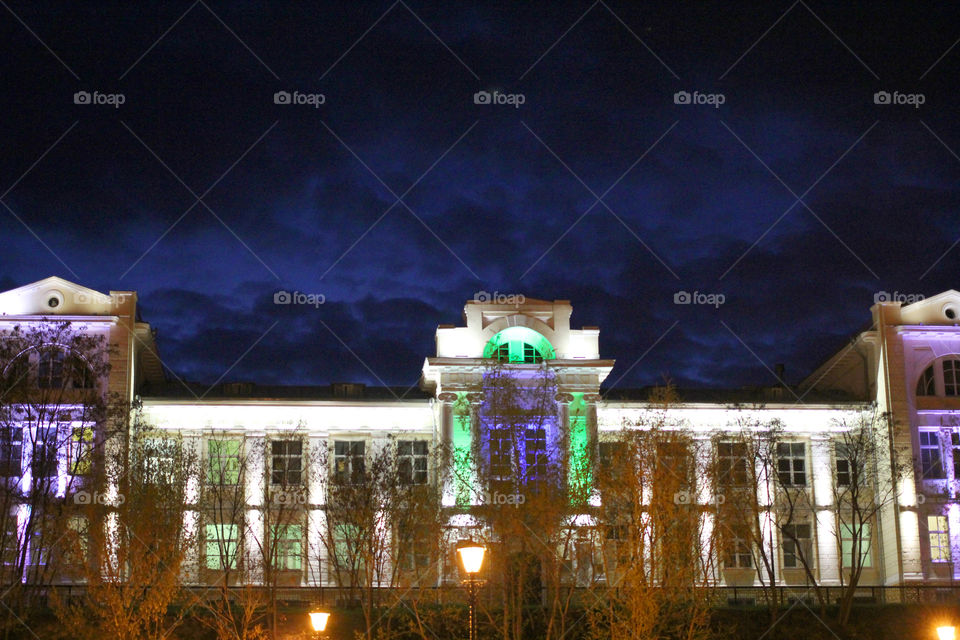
[[905, 366]]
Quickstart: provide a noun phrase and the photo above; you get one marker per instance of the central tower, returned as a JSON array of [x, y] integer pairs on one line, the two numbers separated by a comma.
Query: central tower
[[517, 393]]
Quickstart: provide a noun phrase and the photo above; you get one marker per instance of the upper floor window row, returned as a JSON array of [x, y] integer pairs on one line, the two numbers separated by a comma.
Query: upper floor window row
[[941, 378], [49, 367]]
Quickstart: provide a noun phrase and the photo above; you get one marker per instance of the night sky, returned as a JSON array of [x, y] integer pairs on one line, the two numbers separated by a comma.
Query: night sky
[[798, 198]]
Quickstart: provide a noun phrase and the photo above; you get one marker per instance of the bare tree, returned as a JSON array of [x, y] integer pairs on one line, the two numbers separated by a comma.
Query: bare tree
[[56, 415], [132, 568], [656, 547], [869, 473]]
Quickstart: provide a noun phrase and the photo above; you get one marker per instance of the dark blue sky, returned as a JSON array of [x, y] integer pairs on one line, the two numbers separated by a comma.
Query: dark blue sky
[[494, 198]]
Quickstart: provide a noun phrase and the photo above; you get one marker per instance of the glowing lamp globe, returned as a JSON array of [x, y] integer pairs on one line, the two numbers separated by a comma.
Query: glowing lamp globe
[[472, 558], [946, 633], [319, 620]]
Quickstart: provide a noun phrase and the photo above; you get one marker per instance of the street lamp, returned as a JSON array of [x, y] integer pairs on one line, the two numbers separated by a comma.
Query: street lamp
[[946, 633], [471, 555], [319, 621]]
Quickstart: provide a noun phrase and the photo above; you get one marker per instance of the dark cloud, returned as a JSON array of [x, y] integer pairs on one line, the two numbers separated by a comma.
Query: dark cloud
[[304, 208]]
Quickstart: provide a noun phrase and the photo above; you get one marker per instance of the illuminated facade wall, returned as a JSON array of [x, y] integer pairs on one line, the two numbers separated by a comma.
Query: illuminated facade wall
[[916, 538]]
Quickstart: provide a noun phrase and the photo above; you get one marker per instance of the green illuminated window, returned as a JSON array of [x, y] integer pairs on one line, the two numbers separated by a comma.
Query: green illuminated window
[[223, 543], [519, 345], [224, 460]]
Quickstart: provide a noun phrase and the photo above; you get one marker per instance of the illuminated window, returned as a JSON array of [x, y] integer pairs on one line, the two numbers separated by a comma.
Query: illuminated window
[[797, 545], [286, 462], [931, 465], [732, 463], [11, 451], [79, 453], [849, 539], [348, 467], [925, 385], [939, 533], [412, 461], [951, 377], [224, 462], [289, 542], [519, 345], [223, 545]]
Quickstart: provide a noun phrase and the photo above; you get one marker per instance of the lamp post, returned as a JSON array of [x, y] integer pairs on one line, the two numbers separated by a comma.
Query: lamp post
[[946, 633], [318, 619], [471, 555]]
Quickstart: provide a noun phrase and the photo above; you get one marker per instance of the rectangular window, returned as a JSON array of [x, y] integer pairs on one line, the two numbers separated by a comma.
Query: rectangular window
[[11, 541], [286, 462], [738, 554], [50, 369], [610, 455], [222, 546], [348, 461], [77, 540], [159, 459], [224, 460], [848, 541], [535, 445], [732, 459], [792, 464], [412, 461], [955, 445], [673, 462], [843, 472], [414, 546], [797, 543], [11, 451], [939, 533], [44, 463], [930, 463], [80, 451], [501, 454], [289, 542]]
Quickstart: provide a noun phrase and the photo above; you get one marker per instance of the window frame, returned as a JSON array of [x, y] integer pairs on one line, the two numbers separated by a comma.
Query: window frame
[[794, 454], [287, 477], [216, 471], [223, 544], [931, 454], [788, 544], [349, 467], [412, 463], [938, 538]]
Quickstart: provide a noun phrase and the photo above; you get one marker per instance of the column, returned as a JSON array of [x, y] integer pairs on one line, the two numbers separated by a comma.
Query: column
[[446, 400], [822, 472]]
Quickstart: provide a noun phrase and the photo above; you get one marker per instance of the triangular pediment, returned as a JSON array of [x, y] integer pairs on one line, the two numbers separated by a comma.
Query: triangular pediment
[[55, 296], [941, 309]]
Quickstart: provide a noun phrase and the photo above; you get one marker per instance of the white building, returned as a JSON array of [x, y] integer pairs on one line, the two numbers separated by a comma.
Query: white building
[[907, 363]]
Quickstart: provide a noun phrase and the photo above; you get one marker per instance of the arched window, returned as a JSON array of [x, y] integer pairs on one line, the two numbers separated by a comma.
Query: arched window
[[925, 385], [49, 367], [951, 377], [519, 345]]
